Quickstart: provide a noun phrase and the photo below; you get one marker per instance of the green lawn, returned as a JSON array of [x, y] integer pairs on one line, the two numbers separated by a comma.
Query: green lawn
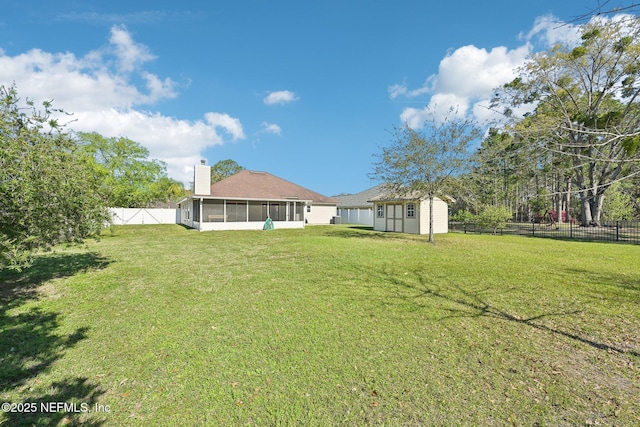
[[163, 326]]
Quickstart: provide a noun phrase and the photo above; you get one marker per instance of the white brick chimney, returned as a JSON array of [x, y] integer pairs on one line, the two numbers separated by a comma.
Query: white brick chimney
[[202, 179]]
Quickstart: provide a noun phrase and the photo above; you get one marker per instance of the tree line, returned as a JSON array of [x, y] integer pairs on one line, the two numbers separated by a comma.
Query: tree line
[[566, 146], [572, 135]]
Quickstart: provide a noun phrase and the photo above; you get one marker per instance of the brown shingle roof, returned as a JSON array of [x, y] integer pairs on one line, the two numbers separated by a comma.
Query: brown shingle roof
[[262, 185]]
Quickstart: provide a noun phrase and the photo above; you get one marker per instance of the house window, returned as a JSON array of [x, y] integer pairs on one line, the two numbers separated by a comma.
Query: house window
[[380, 211], [308, 208], [411, 210]]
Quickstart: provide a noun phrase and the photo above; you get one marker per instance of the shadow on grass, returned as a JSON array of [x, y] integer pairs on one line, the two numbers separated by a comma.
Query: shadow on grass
[[366, 232], [30, 343], [630, 283], [475, 306]]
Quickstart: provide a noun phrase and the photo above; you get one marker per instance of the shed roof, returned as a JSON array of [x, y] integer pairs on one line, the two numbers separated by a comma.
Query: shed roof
[[263, 185]]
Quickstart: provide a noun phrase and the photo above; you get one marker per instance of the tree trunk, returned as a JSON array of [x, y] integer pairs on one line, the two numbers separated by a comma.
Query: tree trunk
[[558, 199], [431, 239], [585, 205], [596, 203], [568, 208]]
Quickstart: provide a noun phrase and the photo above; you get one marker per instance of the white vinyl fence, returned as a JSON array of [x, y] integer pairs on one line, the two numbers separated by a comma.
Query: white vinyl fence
[[362, 216], [131, 216]]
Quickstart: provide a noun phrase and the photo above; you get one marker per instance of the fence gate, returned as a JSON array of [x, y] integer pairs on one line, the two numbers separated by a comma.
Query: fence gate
[[130, 216]]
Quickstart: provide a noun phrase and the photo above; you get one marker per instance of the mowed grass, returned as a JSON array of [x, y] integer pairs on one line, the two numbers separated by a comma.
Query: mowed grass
[[332, 325]]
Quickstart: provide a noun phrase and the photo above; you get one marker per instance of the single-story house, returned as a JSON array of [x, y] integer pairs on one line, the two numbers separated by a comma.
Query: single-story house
[[358, 208], [245, 200], [409, 215]]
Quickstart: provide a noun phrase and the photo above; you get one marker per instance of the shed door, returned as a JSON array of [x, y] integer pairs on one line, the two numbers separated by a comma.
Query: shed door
[[394, 218]]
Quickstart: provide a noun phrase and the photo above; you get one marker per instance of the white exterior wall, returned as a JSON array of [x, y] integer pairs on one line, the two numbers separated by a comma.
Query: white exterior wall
[[362, 216], [249, 225], [186, 213], [137, 216], [321, 214], [440, 217]]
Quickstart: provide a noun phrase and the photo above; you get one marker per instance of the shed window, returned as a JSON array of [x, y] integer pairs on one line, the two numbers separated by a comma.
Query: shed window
[[380, 211], [411, 210]]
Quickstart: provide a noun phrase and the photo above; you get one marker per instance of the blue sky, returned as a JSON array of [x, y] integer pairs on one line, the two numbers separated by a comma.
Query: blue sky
[[304, 90]]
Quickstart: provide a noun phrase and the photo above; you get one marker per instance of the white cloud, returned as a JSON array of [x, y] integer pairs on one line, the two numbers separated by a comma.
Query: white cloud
[[270, 128], [440, 106], [280, 97], [548, 31], [402, 90], [130, 55], [468, 75], [473, 72], [230, 124], [414, 117], [99, 90]]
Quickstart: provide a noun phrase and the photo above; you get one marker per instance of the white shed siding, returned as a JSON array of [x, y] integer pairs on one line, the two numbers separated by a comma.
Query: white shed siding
[[412, 225], [379, 223], [440, 217]]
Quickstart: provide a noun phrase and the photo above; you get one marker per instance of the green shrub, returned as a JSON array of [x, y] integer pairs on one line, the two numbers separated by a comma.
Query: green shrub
[[494, 217], [463, 216]]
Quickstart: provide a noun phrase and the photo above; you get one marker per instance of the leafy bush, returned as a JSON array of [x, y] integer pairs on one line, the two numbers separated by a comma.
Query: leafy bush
[[494, 217], [463, 216]]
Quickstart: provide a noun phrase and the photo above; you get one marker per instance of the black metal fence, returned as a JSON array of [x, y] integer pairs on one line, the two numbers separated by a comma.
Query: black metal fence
[[611, 231]]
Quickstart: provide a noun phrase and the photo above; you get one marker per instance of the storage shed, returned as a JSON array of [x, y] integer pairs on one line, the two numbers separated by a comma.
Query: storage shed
[[409, 215]]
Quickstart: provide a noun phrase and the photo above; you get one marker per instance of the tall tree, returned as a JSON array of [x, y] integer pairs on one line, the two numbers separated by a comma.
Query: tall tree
[[224, 169], [586, 107], [167, 190], [47, 190], [420, 163], [128, 176]]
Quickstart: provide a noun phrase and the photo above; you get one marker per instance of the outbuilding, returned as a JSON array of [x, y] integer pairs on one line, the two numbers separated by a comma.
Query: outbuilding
[[409, 215]]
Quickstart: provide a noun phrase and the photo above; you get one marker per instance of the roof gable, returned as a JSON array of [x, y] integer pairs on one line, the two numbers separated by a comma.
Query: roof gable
[[248, 184]]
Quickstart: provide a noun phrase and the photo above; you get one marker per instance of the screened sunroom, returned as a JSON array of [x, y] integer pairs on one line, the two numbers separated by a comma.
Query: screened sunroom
[[232, 214], [245, 200]]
